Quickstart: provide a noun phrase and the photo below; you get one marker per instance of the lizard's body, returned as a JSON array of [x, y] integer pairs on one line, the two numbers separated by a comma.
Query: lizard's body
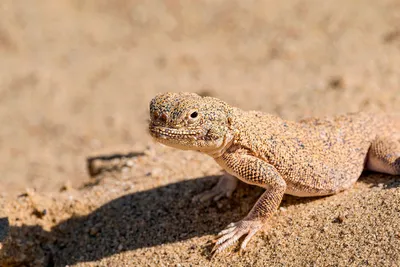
[[329, 153], [312, 157]]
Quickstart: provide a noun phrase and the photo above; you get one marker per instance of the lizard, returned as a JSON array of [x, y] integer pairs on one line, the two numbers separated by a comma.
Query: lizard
[[306, 158]]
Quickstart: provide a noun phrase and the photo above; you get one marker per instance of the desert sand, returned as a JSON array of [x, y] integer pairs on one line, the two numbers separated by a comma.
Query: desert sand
[[76, 78]]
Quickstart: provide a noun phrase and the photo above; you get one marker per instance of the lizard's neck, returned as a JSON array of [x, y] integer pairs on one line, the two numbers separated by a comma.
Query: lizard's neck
[[222, 148]]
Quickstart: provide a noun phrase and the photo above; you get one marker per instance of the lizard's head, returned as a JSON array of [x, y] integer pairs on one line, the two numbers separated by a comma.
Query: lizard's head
[[189, 121]]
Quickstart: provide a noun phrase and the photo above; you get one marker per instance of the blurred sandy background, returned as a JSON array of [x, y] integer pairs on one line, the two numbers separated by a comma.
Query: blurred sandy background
[[76, 78]]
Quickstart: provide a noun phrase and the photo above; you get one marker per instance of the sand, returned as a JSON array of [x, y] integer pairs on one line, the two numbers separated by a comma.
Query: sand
[[76, 78]]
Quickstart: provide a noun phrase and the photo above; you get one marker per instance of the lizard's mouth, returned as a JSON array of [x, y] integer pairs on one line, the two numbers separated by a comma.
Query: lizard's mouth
[[170, 133]]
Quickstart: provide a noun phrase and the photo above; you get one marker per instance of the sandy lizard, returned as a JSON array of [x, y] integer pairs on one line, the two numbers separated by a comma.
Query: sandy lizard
[[311, 157]]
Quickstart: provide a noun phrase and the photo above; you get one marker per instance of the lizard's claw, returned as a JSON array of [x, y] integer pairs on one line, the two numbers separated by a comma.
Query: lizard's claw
[[233, 232], [224, 188]]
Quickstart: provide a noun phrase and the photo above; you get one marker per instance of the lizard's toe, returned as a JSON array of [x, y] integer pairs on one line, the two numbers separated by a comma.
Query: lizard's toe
[[233, 232], [207, 195]]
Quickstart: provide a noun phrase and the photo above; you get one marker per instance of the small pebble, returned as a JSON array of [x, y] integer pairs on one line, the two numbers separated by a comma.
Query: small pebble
[[129, 163]]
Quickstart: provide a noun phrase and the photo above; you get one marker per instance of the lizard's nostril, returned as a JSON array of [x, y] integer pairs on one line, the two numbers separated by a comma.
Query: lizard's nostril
[[164, 117], [155, 115]]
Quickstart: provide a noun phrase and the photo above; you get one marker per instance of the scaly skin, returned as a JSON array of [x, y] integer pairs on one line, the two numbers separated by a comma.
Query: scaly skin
[[313, 157]]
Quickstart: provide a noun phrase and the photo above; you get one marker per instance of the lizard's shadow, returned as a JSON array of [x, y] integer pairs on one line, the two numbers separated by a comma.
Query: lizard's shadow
[[146, 219], [143, 219], [376, 179]]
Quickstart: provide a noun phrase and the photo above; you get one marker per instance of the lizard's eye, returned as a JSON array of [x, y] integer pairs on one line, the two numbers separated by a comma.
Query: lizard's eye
[[194, 115]]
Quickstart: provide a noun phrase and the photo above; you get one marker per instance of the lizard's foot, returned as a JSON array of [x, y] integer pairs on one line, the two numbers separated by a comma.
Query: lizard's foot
[[234, 231], [224, 188]]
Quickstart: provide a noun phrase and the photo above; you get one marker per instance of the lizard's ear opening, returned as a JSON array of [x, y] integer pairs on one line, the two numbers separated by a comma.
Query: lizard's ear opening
[[229, 121]]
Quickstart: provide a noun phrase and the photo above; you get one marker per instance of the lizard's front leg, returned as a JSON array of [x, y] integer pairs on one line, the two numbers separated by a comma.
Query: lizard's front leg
[[255, 171]]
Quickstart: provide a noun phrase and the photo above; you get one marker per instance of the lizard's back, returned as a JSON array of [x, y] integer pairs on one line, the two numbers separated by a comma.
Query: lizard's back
[[316, 156]]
